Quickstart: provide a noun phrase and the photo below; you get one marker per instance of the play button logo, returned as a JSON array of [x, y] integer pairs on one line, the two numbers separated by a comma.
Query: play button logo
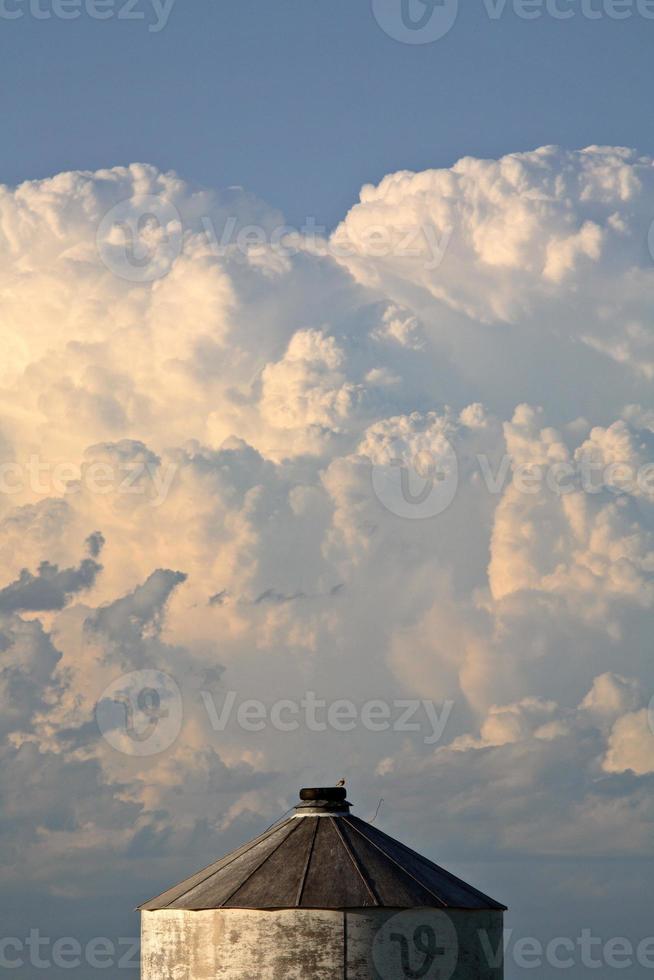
[[416, 21]]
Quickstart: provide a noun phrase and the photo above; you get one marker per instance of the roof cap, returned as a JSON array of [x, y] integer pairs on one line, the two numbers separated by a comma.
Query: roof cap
[[322, 799]]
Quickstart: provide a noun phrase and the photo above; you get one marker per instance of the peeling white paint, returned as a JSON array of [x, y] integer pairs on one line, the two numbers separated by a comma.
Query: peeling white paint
[[313, 944]]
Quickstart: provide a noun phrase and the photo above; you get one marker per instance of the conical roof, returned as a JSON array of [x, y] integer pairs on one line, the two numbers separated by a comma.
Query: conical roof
[[322, 857]]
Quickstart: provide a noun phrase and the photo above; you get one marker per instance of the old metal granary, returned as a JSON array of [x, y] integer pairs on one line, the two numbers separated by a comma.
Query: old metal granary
[[319, 896]]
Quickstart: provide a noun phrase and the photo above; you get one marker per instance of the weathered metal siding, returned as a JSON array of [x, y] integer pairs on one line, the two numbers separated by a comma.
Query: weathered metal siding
[[244, 944], [460, 941], [241, 944]]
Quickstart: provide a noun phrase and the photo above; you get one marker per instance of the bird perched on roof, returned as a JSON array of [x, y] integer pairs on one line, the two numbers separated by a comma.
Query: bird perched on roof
[[341, 782]]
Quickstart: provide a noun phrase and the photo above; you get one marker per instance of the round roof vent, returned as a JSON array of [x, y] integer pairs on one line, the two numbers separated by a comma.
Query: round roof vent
[[330, 794]]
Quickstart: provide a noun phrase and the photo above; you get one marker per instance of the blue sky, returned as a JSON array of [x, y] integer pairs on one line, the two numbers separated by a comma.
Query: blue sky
[[302, 102]]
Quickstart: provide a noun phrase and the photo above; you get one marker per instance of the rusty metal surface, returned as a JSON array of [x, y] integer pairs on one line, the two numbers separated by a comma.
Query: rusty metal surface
[[328, 861]]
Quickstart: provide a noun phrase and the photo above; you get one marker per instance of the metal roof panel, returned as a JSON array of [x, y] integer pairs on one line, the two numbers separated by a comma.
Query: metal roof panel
[[322, 858]]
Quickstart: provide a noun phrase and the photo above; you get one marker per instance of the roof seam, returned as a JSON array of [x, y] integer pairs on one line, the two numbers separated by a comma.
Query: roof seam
[[356, 864], [432, 864], [303, 879], [397, 864], [434, 884], [258, 867], [241, 852]]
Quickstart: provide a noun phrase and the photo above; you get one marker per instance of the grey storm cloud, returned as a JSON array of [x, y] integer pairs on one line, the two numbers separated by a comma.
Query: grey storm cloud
[[52, 587], [127, 617], [27, 671], [279, 598], [273, 597], [95, 543]]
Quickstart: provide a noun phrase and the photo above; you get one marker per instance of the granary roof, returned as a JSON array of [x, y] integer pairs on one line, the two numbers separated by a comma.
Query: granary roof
[[322, 857]]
